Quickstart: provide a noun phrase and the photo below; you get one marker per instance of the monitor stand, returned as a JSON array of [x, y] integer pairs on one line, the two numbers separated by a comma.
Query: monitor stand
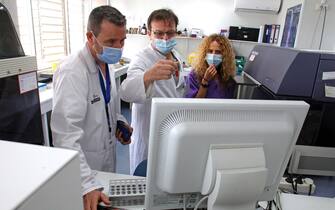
[[234, 181]]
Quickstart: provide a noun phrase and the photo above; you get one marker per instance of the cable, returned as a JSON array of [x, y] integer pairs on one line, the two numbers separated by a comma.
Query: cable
[[294, 187], [184, 201], [323, 27], [290, 179], [278, 199], [199, 202], [315, 28], [310, 190]]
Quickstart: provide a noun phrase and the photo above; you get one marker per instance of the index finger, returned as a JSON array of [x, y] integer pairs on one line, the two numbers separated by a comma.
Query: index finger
[[87, 205], [104, 199], [94, 203]]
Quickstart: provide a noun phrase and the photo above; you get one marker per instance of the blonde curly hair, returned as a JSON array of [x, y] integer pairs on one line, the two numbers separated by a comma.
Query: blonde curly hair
[[228, 65]]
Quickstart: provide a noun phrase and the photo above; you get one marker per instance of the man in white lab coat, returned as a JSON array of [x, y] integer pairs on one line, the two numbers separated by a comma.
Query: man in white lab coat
[[154, 72], [85, 103]]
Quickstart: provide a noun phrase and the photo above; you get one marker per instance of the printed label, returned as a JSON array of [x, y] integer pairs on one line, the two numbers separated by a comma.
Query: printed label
[[328, 75], [27, 82], [330, 91]]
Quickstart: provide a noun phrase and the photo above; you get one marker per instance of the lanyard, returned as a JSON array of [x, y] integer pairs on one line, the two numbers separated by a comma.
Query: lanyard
[[106, 92]]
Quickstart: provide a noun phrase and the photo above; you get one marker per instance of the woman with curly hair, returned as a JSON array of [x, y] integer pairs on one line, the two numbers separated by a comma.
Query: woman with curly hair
[[214, 69]]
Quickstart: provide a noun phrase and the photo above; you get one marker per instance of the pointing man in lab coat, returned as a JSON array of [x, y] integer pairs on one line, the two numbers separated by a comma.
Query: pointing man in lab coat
[[85, 103], [154, 72]]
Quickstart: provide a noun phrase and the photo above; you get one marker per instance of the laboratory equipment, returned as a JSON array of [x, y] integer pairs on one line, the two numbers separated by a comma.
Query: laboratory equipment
[[233, 151], [243, 33], [38, 177], [20, 116], [278, 73]]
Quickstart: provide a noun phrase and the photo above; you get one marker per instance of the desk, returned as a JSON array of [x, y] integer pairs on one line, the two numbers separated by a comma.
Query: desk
[[295, 202], [288, 201], [46, 106], [46, 99]]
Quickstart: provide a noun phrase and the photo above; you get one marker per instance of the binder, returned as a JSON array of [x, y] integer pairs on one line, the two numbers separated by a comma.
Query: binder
[[261, 34], [267, 33], [264, 33], [272, 33], [276, 34]]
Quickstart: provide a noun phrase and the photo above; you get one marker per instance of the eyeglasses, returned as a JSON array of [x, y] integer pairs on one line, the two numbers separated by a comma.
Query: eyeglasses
[[161, 33]]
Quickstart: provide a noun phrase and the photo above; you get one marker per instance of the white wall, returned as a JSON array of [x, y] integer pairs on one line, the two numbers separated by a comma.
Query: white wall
[[209, 15], [213, 15], [329, 34], [310, 24], [312, 21]]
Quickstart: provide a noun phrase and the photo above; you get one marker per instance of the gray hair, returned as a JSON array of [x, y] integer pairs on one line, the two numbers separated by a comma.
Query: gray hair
[[101, 13]]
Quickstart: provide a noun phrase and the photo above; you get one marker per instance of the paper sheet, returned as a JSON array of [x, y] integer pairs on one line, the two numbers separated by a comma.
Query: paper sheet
[[328, 75], [27, 82], [329, 91]]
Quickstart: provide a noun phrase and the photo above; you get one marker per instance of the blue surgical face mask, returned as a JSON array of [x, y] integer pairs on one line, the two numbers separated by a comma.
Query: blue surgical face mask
[[215, 59], [164, 46], [109, 55]]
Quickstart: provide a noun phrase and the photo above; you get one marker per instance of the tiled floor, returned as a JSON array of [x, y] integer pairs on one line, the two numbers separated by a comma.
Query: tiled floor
[[325, 186]]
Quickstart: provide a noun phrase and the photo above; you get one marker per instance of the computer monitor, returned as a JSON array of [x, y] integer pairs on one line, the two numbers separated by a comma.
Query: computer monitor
[[233, 151]]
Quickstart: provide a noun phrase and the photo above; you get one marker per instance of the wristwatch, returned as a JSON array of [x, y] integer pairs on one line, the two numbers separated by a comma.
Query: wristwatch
[[204, 85]]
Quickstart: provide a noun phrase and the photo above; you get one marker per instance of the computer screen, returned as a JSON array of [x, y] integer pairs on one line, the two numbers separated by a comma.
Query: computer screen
[[232, 152]]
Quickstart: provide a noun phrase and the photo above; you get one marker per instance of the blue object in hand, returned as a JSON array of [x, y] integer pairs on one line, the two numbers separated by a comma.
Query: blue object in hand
[[124, 129]]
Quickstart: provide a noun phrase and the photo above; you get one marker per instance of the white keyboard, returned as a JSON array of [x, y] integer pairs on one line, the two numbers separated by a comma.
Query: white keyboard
[[127, 192], [127, 187]]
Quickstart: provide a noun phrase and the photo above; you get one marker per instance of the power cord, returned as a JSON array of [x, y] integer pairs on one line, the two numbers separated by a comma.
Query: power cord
[[315, 29], [322, 7], [323, 27], [184, 201], [294, 185], [277, 198], [199, 202]]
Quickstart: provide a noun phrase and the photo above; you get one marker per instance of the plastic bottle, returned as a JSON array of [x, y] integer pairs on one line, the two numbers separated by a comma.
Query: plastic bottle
[[144, 29]]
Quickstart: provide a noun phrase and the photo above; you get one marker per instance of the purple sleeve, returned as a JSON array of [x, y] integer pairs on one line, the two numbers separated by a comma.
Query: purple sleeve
[[192, 85]]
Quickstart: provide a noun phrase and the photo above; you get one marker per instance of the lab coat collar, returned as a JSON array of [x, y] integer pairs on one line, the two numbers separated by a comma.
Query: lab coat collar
[[156, 52], [87, 57]]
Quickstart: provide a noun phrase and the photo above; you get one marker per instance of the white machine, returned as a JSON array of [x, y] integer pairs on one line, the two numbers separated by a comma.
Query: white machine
[[232, 151], [37, 177]]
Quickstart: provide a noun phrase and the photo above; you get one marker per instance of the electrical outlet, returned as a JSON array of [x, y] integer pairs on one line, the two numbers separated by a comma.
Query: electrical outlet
[[304, 188]]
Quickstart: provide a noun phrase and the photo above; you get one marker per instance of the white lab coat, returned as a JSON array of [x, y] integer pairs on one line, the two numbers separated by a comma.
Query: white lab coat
[[132, 90], [79, 120]]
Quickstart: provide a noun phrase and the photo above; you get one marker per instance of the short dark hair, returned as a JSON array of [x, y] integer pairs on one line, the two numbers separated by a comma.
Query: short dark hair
[[162, 14], [101, 13]]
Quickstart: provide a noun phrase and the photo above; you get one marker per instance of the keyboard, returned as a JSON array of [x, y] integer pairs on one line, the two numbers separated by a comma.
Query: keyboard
[[127, 192]]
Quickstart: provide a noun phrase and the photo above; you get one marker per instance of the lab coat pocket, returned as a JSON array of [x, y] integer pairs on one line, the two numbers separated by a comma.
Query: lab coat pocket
[[96, 139]]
